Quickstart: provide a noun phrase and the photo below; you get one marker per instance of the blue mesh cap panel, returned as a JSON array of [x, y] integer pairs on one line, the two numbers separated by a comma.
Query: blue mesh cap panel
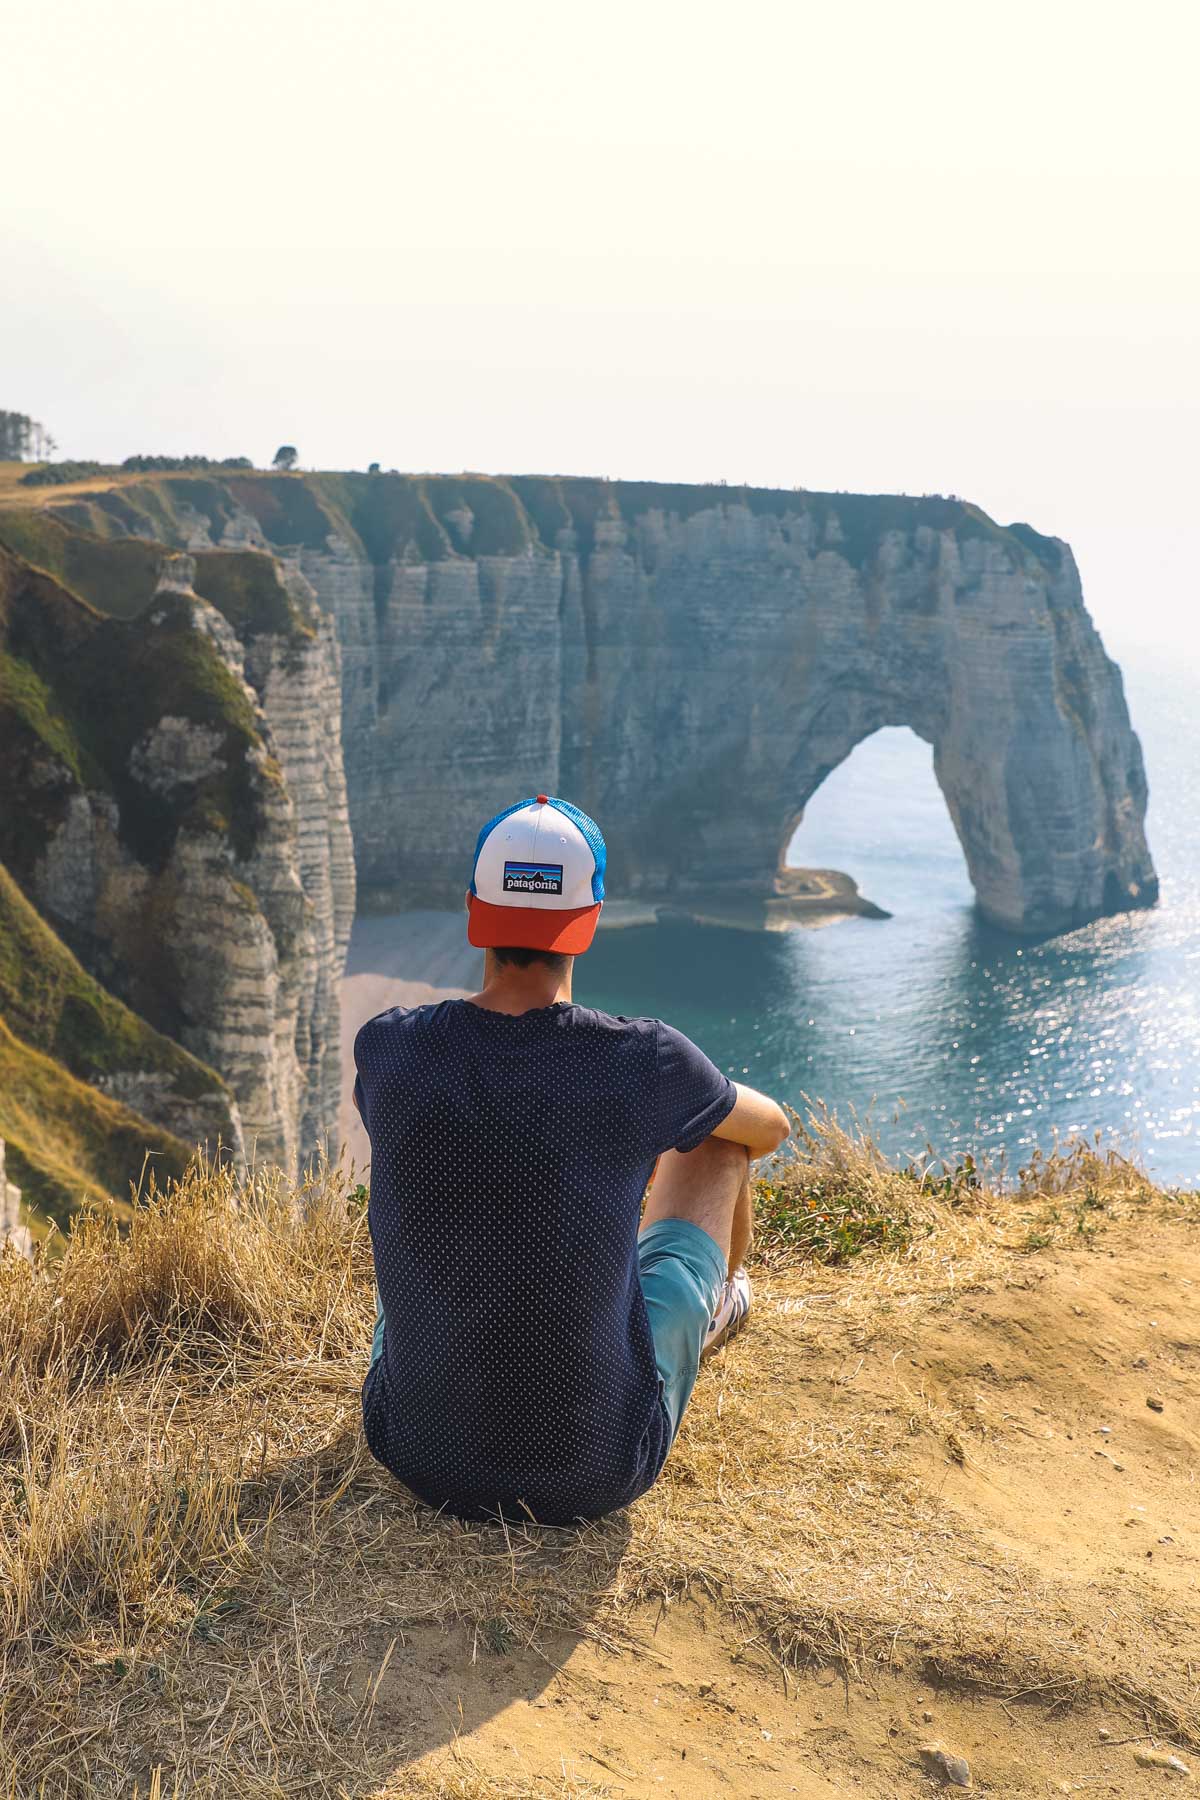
[[491, 826], [593, 837]]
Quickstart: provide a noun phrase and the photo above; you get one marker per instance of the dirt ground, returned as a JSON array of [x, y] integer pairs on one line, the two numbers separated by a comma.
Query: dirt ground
[[1063, 1497]]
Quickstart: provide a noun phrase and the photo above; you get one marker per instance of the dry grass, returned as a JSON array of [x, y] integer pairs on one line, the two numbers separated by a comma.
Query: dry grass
[[204, 1578]]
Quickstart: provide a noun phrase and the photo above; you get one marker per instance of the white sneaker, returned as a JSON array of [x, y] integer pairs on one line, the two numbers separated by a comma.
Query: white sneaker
[[733, 1309]]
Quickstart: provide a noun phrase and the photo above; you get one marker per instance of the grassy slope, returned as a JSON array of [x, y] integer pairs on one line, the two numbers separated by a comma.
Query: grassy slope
[[889, 1516], [59, 1032], [51, 1001], [83, 550], [66, 1142], [117, 578]]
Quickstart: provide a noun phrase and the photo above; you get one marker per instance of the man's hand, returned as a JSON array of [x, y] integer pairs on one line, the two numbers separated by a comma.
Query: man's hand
[[755, 1121]]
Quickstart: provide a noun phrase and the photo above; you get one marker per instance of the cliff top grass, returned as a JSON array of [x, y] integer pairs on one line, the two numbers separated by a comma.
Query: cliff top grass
[[245, 587], [421, 516], [116, 577], [891, 1514]]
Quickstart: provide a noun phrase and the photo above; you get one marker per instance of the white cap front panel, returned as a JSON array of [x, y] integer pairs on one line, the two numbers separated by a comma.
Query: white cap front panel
[[536, 857]]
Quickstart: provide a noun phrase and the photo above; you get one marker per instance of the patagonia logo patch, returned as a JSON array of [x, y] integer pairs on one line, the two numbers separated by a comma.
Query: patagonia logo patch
[[533, 878]]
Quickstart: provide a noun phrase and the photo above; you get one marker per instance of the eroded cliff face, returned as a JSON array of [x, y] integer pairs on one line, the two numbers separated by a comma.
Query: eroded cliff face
[[298, 687], [689, 664], [184, 821]]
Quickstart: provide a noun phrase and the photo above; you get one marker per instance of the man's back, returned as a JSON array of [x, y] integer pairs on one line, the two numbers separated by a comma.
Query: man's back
[[510, 1153]]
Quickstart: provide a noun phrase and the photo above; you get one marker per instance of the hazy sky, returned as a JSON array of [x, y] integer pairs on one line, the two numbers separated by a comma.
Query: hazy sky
[[913, 246]]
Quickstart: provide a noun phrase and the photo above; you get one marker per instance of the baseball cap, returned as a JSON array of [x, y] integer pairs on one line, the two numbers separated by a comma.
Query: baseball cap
[[538, 878]]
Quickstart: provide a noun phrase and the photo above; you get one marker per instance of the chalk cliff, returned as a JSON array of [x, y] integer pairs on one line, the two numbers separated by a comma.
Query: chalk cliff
[[182, 819], [690, 663], [12, 1231]]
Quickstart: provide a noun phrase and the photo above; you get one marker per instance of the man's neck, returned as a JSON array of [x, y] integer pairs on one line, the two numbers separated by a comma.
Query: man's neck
[[507, 989]]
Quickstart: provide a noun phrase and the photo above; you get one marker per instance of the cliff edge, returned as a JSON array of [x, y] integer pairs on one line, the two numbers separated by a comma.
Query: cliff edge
[[940, 1492]]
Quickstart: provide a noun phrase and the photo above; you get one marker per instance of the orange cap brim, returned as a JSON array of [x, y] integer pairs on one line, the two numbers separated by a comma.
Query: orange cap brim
[[568, 931]]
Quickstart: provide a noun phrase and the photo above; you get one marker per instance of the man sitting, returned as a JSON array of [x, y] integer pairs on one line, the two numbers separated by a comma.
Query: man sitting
[[535, 1350]]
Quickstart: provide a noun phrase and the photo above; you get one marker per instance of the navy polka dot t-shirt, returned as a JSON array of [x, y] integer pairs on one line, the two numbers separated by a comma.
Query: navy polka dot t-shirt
[[509, 1156]]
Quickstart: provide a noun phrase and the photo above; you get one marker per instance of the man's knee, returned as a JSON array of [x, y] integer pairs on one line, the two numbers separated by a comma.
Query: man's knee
[[702, 1185], [718, 1160]]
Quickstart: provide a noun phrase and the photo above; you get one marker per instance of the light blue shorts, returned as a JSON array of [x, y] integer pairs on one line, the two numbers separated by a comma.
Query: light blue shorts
[[682, 1272]]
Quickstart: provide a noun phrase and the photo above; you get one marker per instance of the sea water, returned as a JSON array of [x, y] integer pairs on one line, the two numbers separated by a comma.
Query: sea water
[[930, 1026]]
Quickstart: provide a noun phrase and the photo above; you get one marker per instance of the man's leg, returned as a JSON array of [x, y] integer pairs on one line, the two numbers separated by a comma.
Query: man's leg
[[691, 1222], [377, 1340], [710, 1186], [742, 1229]]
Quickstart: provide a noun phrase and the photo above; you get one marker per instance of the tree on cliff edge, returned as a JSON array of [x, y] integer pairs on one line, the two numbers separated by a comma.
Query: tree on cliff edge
[[285, 457], [22, 437]]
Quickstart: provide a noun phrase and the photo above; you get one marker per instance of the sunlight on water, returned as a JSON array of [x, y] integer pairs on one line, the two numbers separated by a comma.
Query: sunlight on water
[[945, 1031]]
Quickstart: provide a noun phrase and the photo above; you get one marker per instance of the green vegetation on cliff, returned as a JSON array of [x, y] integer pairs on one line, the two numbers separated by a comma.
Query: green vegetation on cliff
[[245, 587], [68, 1142], [85, 690], [63, 1038], [432, 517], [95, 715], [290, 510], [117, 576], [52, 1003]]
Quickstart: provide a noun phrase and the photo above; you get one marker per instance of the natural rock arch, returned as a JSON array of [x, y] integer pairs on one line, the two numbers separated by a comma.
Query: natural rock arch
[[772, 657], [687, 663], [878, 760]]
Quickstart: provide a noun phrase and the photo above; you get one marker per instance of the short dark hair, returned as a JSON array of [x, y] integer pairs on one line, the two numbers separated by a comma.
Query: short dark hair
[[521, 958]]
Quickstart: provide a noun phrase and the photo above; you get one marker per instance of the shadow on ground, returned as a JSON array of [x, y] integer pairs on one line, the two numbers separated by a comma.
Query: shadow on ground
[[410, 1630]]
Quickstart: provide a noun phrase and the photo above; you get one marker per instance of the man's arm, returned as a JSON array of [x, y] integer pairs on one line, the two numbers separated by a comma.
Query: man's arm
[[755, 1121]]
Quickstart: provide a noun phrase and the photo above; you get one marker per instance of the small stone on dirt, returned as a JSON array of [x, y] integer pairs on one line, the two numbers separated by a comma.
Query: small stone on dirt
[[1154, 1403], [1161, 1759], [955, 1768], [1104, 1734]]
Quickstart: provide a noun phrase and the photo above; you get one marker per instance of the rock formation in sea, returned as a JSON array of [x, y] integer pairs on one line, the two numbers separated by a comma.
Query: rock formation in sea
[[690, 664], [170, 730]]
